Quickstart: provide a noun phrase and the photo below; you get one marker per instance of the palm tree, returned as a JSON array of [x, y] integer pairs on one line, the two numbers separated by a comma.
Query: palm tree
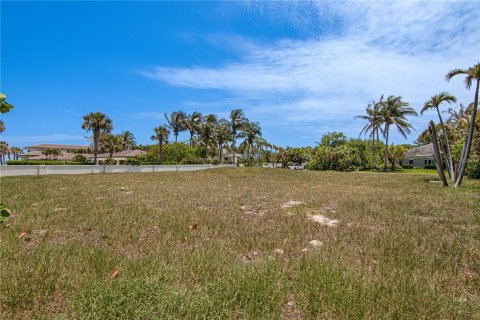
[[4, 150], [161, 136], [393, 113], [434, 103], [223, 135], [4, 108], [112, 143], [127, 140], [16, 151], [207, 131], [472, 74], [373, 125], [237, 122], [251, 131], [176, 122], [96, 122], [192, 123]]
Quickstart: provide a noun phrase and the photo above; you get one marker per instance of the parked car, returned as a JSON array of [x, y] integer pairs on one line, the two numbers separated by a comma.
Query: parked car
[[296, 166]]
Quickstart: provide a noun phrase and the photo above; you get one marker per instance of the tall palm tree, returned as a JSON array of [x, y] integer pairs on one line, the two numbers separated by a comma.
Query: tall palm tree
[[394, 112], [251, 131], [207, 131], [4, 108], [373, 126], [223, 135], [112, 143], [434, 103], [471, 74], [161, 136], [192, 123], [16, 151], [98, 123], [127, 140], [4, 150], [237, 122], [176, 122]]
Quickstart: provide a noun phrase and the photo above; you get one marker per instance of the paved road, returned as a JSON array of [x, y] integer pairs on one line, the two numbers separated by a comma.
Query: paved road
[[69, 169]]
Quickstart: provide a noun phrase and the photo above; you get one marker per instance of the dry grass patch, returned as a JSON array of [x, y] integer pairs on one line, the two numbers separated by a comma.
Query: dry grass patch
[[239, 244]]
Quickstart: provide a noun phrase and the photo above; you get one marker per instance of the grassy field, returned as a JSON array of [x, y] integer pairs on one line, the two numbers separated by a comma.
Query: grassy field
[[223, 244]]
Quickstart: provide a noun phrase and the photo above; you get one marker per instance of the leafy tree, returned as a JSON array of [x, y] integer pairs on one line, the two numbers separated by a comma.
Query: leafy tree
[[207, 131], [373, 126], [434, 103], [223, 136], [161, 136], [98, 123], [127, 140], [251, 132], [333, 139], [237, 123], [4, 108], [112, 143], [192, 123], [472, 75], [394, 112], [176, 122]]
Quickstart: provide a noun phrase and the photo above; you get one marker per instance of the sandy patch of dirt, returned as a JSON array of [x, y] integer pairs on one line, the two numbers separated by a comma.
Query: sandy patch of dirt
[[291, 203], [321, 219]]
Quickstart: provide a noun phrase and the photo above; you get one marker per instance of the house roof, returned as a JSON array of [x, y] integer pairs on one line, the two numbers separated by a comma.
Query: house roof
[[122, 154], [421, 151], [61, 157], [56, 146]]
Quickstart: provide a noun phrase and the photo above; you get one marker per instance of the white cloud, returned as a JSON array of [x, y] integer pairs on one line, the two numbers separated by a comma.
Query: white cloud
[[370, 48]]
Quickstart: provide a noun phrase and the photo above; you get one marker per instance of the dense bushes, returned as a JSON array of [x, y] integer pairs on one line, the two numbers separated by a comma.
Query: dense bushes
[[407, 166], [430, 166], [41, 162], [337, 153]]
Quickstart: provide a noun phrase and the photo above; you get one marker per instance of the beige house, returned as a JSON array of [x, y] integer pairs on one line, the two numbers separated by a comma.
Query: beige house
[[118, 157], [35, 152], [69, 151], [420, 156]]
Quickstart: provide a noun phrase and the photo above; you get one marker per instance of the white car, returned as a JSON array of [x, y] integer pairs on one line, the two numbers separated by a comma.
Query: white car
[[296, 166]]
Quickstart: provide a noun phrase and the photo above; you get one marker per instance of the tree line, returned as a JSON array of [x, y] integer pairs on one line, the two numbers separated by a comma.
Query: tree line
[[453, 144]]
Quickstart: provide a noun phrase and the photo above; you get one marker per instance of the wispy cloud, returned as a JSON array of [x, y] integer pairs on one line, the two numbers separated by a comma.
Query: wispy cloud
[[368, 48]]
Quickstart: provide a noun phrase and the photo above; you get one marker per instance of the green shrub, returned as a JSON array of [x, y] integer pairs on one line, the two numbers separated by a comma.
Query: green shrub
[[407, 166], [133, 161], [430, 166], [473, 168], [80, 158], [35, 162]]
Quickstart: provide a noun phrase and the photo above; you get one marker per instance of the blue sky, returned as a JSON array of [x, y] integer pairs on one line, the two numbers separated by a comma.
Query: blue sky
[[299, 68]]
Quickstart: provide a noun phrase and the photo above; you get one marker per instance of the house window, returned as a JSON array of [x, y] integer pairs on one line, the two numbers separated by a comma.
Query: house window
[[426, 161], [410, 161]]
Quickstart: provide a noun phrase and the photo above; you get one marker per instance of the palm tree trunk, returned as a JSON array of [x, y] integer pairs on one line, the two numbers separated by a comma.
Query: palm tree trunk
[[234, 133], [96, 136], [374, 152], [438, 157], [191, 138], [387, 129], [176, 136], [468, 145], [448, 153], [160, 152]]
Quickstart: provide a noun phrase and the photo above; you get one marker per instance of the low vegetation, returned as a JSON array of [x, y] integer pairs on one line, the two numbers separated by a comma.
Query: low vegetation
[[240, 243]]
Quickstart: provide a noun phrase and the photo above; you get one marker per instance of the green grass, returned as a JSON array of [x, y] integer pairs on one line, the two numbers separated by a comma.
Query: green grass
[[405, 248]]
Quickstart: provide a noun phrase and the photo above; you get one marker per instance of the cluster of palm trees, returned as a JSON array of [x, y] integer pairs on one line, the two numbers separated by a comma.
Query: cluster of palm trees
[[49, 153], [460, 127], [212, 133], [381, 116], [7, 153], [103, 140]]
